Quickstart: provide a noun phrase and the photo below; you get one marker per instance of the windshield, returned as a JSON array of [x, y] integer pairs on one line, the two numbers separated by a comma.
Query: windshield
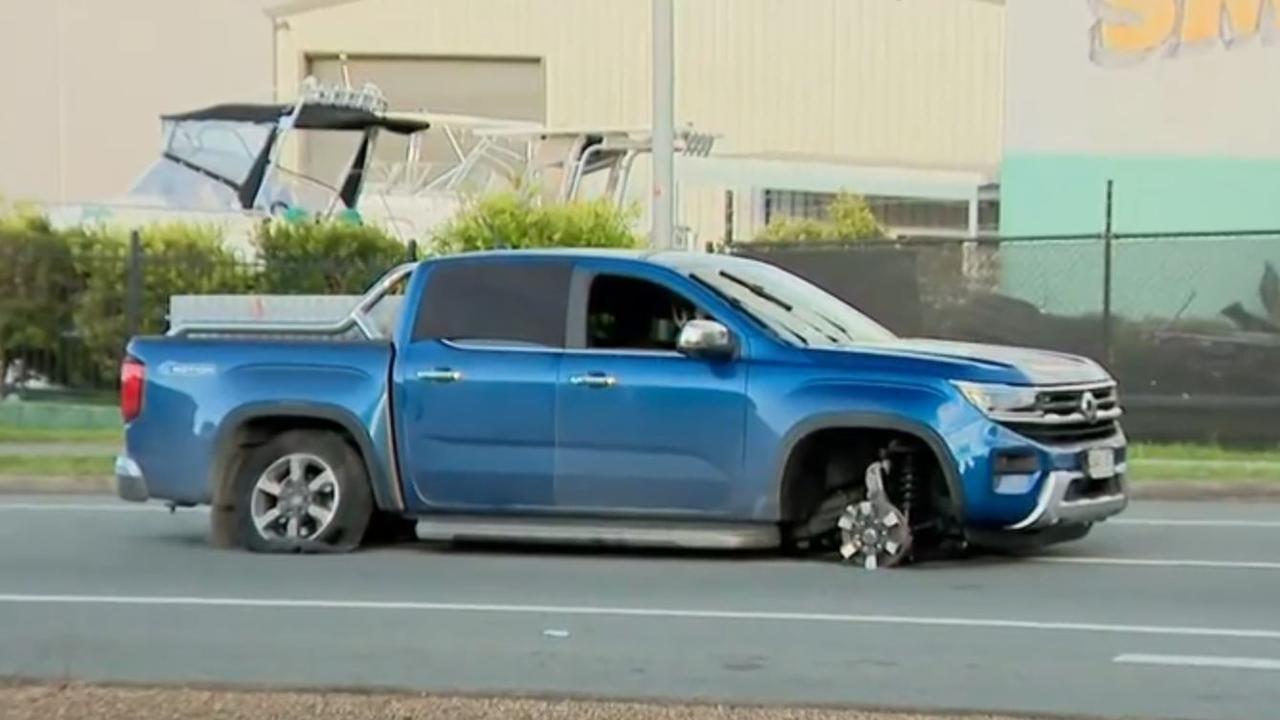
[[204, 162], [797, 311], [228, 149]]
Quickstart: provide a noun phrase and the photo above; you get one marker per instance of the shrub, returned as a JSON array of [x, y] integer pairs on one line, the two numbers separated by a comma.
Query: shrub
[[37, 287], [320, 258], [177, 259], [63, 293], [788, 229], [848, 218], [516, 220]]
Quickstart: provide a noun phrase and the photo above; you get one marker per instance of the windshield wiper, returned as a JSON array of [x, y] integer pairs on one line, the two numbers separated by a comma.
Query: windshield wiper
[[843, 330], [757, 289], [735, 302], [764, 294]]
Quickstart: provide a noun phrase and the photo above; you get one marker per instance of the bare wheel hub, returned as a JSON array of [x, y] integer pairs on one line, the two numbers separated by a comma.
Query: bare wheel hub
[[873, 534]]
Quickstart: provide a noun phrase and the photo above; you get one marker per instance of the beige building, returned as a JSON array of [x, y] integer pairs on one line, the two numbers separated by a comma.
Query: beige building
[[896, 99], [900, 100], [87, 80]]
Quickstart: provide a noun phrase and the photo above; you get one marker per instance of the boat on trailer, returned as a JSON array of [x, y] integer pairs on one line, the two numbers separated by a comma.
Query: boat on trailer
[[340, 152]]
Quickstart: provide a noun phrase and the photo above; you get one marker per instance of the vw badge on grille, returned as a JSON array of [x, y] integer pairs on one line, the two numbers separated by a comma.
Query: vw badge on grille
[[1089, 406]]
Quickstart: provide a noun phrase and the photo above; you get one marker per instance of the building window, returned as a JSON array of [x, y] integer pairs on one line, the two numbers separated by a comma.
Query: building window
[[900, 216]]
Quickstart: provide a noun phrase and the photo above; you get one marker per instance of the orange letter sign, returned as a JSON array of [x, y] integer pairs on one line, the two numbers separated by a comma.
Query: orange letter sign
[[1227, 19], [1133, 27]]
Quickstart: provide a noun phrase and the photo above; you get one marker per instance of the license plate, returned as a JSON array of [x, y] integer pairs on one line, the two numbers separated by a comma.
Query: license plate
[[1101, 463]]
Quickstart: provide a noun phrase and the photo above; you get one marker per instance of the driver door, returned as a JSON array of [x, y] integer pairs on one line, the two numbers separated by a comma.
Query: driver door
[[641, 428]]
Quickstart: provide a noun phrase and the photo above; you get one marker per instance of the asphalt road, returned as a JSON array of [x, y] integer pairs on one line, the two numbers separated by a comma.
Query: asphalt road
[[1171, 612]]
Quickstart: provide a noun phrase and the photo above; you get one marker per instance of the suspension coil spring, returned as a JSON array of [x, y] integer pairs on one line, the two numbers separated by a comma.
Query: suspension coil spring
[[909, 483]]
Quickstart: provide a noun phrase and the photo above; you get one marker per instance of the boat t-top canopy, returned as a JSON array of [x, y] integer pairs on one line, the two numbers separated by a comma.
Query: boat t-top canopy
[[308, 117], [228, 155]]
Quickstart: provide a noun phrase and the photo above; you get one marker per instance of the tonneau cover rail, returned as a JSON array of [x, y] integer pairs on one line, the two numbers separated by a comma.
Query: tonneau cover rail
[[357, 319]]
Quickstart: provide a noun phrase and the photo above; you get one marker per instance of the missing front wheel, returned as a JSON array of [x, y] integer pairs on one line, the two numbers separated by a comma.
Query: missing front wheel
[[874, 534]]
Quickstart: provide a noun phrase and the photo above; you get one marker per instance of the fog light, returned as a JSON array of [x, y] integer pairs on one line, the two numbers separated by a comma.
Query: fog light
[[1022, 463], [1014, 473]]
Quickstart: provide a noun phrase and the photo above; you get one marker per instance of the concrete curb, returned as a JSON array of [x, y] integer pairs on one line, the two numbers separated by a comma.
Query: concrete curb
[[54, 485], [1189, 490]]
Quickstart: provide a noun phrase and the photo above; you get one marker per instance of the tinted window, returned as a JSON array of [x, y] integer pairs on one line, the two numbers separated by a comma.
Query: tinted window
[[634, 314], [496, 303]]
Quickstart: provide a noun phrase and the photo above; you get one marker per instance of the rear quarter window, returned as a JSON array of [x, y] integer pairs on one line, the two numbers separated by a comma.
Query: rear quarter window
[[494, 303]]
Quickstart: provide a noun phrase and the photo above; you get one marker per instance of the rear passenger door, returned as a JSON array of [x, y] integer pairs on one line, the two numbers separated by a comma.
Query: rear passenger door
[[475, 387]]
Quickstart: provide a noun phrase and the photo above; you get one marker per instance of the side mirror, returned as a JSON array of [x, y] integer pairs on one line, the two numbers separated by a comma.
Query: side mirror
[[705, 338]]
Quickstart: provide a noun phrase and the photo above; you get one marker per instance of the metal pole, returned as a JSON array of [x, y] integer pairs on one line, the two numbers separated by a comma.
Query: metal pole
[[974, 202], [1107, 237], [133, 287], [663, 124]]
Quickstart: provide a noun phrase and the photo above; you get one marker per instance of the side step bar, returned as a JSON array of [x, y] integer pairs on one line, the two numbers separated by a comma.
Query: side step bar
[[619, 533]]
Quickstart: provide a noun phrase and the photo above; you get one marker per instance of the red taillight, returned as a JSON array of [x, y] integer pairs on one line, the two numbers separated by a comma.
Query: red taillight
[[133, 376]]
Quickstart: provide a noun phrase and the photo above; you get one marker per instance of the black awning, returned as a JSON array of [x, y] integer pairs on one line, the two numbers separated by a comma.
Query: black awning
[[312, 117]]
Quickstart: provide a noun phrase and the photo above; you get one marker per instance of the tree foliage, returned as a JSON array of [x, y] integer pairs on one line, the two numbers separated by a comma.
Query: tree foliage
[[515, 220], [64, 294], [176, 259], [849, 217], [37, 288], [323, 258]]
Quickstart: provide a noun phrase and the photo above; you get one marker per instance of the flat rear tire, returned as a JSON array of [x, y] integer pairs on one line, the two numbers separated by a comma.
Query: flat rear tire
[[303, 491]]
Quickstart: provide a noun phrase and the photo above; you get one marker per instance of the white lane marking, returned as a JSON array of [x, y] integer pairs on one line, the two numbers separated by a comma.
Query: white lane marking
[[687, 614], [1199, 661], [1157, 562], [1157, 522], [80, 507]]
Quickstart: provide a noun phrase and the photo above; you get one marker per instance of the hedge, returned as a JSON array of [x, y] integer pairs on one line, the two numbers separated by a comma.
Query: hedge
[[38, 286], [324, 258], [517, 220], [849, 217], [63, 293], [176, 259]]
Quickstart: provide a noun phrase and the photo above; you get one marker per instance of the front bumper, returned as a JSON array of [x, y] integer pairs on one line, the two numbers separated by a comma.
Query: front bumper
[[131, 485], [1058, 505]]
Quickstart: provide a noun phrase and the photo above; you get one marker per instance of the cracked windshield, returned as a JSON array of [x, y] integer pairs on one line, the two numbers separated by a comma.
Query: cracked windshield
[[614, 359]]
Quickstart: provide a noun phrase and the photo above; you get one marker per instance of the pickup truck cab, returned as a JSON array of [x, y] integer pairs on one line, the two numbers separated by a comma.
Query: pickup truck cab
[[675, 399]]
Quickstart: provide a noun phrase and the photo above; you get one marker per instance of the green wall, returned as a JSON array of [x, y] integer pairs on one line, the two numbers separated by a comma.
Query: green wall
[[1055, 194], [1059, 194]]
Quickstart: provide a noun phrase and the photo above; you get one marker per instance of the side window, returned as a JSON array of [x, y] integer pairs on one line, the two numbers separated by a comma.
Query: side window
[[634, 314], [496, 303]]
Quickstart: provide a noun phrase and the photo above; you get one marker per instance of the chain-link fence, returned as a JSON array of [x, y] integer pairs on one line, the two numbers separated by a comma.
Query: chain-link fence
[[71, 309], [1189, 323]]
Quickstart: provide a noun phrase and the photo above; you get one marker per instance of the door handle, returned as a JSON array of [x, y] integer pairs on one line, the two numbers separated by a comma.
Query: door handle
[[599, 380], [440, 375]]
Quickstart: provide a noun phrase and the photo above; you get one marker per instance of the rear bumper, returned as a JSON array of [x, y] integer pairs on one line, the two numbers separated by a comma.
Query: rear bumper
[[1057, 505], [131, 485]]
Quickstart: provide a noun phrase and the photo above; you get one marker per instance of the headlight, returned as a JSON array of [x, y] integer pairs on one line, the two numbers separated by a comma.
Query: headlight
[[998, 398]]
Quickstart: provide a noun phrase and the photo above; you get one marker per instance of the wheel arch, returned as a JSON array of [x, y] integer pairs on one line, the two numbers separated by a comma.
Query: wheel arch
[[239, 427], [793, 439]]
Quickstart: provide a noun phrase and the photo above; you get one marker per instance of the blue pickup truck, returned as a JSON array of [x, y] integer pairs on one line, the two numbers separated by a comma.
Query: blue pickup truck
[[621, 398]]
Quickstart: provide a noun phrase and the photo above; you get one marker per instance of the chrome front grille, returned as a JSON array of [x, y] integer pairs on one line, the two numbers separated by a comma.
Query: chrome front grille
[[1068, 415]]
